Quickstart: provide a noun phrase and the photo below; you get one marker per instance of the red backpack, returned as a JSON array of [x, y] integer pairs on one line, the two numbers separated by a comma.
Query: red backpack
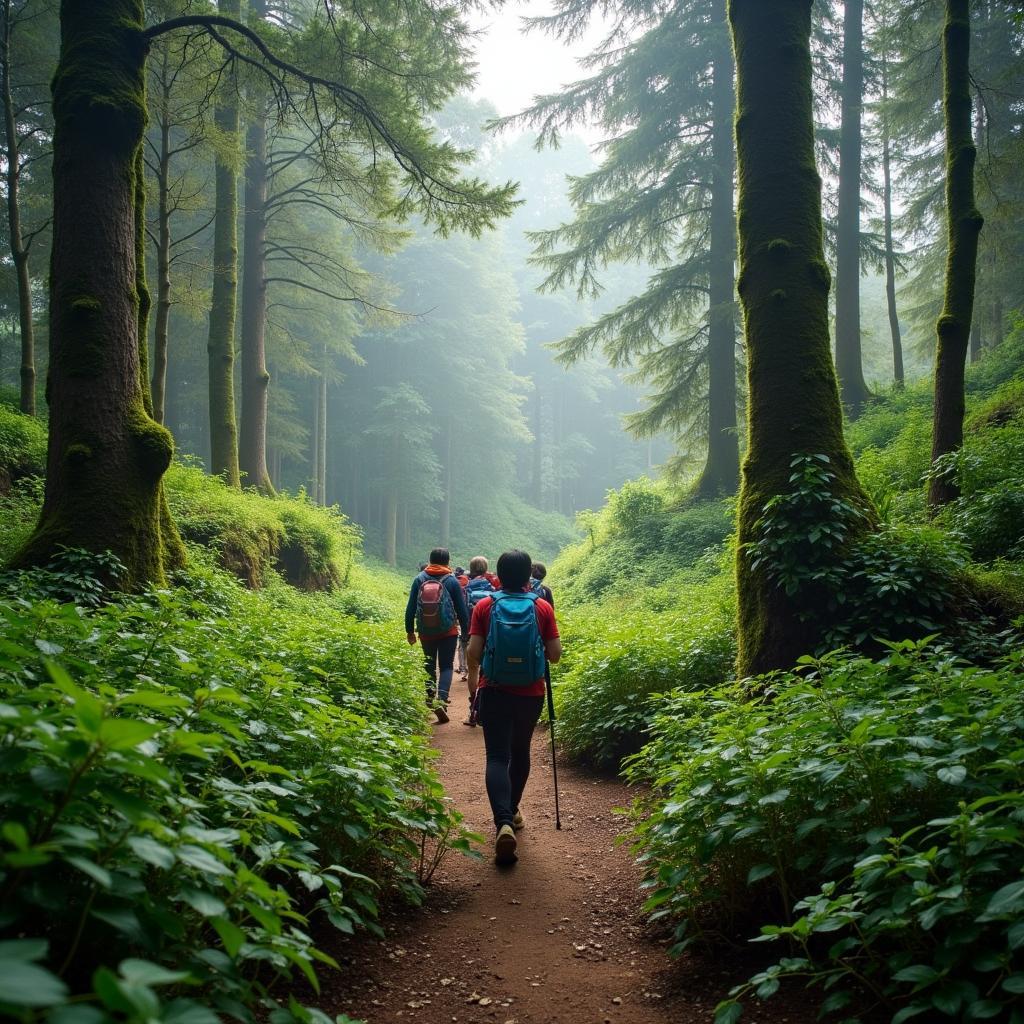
[[435, 613]]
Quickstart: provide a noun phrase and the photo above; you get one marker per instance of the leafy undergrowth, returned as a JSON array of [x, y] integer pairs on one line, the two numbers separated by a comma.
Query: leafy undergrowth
[[193, 781], [868, 814]]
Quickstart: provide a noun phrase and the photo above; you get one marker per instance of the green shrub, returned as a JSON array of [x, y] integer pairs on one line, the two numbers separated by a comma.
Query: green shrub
[[614, 668], [19, 512], [22, 447], [189, 780], [894, 784]]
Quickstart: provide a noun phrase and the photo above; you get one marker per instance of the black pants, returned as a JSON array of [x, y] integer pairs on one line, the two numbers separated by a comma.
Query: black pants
[[508, 720], [439, 653]]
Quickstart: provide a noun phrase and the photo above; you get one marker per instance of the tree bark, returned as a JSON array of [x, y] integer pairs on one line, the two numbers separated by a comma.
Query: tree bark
[[446, 499], [793, 401], [890, 258], [163, 251], [722, 469], [220, 346], [19, 251], [977, 341], [321, 463], [255, 378], [538, 445], [963, 226], [853, 390], [106, 455], [391, 529]]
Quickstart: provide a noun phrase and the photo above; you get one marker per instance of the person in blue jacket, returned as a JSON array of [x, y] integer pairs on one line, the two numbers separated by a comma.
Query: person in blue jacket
[[437, 613]]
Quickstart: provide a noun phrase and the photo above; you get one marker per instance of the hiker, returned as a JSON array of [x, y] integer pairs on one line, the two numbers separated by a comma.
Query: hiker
[[460, 661], [437, 610], [481, 584], [537, 574], [512, 637]]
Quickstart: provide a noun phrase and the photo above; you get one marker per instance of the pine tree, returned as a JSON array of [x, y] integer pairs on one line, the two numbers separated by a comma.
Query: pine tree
[[663, 195]]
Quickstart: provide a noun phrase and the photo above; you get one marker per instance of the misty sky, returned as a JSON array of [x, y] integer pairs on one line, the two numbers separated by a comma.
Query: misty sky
[[513, 67]]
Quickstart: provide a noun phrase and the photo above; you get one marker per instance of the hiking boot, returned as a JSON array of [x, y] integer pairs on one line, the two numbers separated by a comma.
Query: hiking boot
[[517, 821], [441, 711], [472, 719], [505, 846]]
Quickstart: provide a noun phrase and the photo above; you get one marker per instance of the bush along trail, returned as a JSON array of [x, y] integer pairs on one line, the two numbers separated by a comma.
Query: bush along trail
[[558, 937]]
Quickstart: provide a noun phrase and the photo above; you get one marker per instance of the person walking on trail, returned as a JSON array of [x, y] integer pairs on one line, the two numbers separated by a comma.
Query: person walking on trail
[[480, 584], [512, 636], [460, 658], [436, 611], [537, 574]]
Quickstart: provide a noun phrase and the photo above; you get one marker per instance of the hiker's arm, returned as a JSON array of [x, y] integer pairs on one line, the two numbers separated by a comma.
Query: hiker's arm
[[474, 655], [553, 650], [410, 612]]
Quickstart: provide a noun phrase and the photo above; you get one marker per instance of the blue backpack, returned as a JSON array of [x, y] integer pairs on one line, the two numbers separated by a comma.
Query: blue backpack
[[477, 588], [514, 650]]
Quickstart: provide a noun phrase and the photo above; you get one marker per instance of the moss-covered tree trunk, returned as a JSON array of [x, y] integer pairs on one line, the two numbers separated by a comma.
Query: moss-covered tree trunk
[[220, 346], [793, 401], [852, 389], [106, 455], [447, 483], [391, 528], [16, 239], [963, 226], [252, 453], [158, 386], [722, 468]]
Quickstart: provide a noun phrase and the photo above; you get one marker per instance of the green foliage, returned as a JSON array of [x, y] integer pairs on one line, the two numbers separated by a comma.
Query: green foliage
[[617, 666], [251, 534], [892, 582], [880, 801], [22, 447], [644, 534], [190, 781]]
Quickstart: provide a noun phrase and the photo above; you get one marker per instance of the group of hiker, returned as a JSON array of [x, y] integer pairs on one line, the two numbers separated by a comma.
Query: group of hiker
[[504, 625]]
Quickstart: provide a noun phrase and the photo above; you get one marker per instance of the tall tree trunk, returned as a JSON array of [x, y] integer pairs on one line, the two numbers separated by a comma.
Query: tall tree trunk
[[793, 401], [321, 399], [106, 455], [853, 390], [255, 378], [890, 257], [391, 528], [963, 226], [977, 341], [220, 346], [163, 250], [446, 498], [722, 469], [19, 251], [538, 445], [314, 445]]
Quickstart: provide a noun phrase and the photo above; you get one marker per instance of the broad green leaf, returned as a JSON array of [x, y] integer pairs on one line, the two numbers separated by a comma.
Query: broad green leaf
[[125, 733], [230, 934], [28, 984]]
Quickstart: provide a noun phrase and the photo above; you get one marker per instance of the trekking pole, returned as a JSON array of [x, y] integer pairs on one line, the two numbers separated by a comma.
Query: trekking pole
[[551, 726]]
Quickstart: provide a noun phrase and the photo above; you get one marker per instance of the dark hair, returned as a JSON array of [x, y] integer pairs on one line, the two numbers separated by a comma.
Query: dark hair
[[514, 570], [459, 571], [538, 571], [440, 556]]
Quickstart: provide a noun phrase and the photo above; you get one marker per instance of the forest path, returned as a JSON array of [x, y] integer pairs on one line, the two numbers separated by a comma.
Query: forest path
[[557, 937]]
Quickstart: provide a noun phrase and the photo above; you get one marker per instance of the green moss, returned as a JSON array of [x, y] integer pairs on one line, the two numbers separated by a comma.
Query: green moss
[[153, 445]]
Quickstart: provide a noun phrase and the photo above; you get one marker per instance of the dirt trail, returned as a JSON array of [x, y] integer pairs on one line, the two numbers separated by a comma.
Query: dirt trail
[[556, 938]]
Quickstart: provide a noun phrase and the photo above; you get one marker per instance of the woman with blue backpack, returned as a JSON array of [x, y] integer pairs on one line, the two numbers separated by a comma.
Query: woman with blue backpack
[[513, 636]]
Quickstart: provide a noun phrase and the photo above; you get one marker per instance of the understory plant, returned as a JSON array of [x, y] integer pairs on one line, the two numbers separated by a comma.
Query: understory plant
[[193, 783], [866, 812]]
